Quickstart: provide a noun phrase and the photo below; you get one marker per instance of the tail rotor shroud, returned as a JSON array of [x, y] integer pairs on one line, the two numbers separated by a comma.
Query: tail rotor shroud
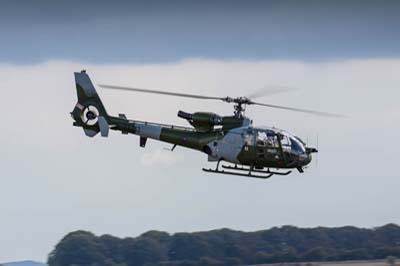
[[90, 115]]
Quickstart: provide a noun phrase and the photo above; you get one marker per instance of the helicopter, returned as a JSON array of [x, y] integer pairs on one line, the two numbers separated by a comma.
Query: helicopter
[[257, 152]]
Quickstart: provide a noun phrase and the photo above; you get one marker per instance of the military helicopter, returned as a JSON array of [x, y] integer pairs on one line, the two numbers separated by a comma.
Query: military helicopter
[[250, 151]]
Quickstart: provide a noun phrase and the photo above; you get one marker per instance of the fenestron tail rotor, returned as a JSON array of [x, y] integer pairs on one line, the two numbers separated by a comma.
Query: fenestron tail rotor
[[238, 101], [90, 115]]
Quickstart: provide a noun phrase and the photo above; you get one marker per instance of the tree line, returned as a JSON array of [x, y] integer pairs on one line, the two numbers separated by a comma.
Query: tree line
[[227, 247]]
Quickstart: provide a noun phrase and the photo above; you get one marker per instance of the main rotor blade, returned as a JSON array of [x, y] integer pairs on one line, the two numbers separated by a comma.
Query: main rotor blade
[[269, 90], [299, 110], [162, 92]]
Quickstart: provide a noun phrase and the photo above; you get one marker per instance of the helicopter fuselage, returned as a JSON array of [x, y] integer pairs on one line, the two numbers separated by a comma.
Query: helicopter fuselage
[[223, 138], [245, 145]]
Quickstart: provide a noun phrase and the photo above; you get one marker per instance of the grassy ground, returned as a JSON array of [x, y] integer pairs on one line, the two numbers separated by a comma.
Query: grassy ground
[[337, 263]]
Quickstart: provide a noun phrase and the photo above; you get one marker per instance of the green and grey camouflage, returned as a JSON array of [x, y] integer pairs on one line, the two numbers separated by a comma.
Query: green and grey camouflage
[[252, 151]]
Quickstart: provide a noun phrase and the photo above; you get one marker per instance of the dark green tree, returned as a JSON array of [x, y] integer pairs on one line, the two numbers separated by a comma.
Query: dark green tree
[[228, 247], [186, 246], [144, 250], [78, 248]]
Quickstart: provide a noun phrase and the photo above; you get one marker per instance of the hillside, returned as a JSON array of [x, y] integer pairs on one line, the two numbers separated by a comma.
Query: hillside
[[229, 247]]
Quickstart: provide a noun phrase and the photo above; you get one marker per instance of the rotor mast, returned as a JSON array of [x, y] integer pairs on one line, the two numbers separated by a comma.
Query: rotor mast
[[239, 110], [239, 105]]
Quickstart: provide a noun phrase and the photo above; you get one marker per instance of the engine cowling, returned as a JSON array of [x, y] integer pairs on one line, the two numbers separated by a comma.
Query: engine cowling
[[202, 121]]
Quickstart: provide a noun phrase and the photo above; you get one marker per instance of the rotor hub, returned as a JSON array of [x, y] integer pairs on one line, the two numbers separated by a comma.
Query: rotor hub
[[90, 115]]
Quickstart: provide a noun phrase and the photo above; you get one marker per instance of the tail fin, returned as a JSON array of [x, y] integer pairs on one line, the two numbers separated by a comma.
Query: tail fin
[[89, 112]]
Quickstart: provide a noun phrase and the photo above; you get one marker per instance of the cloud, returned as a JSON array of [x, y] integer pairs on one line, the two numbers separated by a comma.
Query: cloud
[[60, 180], [130, 32]]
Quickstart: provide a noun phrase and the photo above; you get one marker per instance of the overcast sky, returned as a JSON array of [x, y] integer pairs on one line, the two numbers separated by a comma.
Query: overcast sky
[[344, 58]]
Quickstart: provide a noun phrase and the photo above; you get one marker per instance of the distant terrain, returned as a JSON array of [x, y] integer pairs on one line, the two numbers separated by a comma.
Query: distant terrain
[[225, 247], [23, 263]]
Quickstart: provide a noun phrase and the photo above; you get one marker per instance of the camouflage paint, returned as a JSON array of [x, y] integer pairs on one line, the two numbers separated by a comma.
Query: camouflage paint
[[226, 142]]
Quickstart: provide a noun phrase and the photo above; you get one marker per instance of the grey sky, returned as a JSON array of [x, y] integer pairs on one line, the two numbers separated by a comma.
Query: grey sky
[[344, 57], [165, 31]]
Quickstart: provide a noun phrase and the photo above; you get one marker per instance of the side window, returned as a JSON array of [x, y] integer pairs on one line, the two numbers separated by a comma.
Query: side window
[[272, 140], [285, 141], [249, 138], [261, 138]]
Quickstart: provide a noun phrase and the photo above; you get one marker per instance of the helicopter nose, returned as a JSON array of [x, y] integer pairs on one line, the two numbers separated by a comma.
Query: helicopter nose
[[305, 159]]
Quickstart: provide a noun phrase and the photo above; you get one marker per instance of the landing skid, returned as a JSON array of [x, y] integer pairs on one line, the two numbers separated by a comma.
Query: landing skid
[[235, 173], [255, 170], [244, 171]]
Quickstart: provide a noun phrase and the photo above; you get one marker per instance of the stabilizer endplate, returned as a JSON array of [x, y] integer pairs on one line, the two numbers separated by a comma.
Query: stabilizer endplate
[[103, 125], [90, 132]]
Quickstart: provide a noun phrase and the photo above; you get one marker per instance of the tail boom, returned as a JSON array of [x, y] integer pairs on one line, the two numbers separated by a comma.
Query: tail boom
[[90, 114]]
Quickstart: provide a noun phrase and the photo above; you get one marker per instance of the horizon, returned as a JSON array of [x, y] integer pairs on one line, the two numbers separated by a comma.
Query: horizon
[[242, 231]]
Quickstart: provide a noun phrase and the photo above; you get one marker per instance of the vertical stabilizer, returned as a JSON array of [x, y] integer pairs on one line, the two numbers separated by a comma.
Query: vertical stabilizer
[[89, 112]]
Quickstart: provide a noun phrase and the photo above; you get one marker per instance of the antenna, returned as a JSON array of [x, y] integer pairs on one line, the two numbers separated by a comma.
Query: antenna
[[316, 159]]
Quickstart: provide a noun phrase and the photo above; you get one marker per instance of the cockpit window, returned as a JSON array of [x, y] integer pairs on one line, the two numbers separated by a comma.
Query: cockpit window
[[296, 146], [301, 141], [261, 138], [272, 141], [285, 141], [267, 138]]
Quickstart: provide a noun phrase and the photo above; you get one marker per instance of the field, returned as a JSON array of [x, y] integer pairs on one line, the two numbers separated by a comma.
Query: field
[[337, 263]]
